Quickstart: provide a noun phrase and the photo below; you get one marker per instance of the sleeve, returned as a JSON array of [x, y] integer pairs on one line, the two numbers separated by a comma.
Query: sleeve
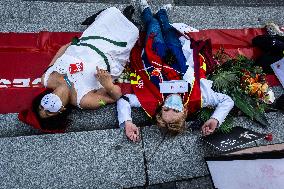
[[124, 105], [222, 102]]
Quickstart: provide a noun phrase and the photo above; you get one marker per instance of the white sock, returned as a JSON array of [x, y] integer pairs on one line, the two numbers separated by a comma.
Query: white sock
[[143, 4], [167, 7]]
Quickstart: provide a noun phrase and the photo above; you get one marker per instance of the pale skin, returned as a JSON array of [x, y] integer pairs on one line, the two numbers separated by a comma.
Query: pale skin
[[110, 93], [170, 115]]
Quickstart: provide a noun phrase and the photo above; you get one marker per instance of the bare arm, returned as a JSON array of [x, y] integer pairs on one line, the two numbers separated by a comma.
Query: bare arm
[[59, 53], [94, 100], [105, 80]]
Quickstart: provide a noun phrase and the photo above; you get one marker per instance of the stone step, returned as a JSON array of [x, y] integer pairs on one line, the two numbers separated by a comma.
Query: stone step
[[107, 159], [177, 158], [80, 120], [97, 159], [27, 16], [101, 159]]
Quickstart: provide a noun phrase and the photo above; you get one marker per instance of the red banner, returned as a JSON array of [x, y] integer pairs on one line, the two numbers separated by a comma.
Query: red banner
[[25, 56]]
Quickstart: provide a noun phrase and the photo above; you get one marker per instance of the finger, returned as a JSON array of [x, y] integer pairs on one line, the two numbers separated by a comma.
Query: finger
[[138, 138], [131, 137], [98, 70], [211, 131], [205, 133], [203, 129], [137, 131], [135, 138], [207, 129]]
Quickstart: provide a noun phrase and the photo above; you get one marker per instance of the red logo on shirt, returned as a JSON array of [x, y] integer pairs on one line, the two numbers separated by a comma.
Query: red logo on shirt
[[77, 67]]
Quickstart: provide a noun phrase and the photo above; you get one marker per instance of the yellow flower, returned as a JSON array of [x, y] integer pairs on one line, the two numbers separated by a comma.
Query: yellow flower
[[264, 87]]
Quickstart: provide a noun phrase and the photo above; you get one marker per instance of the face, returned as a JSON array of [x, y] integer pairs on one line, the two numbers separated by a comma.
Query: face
[[45, 113], [50, 105], [170, 115]]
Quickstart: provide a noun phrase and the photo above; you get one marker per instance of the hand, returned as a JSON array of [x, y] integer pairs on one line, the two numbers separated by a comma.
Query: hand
[[209, 126], [104, 78], [132, 131]]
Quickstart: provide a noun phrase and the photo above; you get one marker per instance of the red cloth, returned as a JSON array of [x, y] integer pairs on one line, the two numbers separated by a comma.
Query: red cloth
[[234, 41], [148, 93], [26, 56]]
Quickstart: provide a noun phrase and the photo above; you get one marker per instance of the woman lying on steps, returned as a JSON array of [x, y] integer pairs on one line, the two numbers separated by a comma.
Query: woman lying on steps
[[82, 72]]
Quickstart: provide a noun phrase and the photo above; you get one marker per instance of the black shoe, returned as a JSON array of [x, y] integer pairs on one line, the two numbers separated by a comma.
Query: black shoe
[[92, 18], [269, 43], [266, 60], [128, 12]]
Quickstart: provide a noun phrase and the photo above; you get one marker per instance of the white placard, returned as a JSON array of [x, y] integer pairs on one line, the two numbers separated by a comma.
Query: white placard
[[247, 174], [278, 68], [174, 86]]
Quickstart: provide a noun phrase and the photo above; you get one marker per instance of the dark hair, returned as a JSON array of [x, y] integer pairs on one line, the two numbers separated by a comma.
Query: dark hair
[[169, 57], [55, 123]]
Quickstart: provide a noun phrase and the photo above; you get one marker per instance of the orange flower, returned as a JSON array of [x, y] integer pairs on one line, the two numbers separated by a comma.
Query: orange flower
[[257, 77], [254, 87], [251, 80]]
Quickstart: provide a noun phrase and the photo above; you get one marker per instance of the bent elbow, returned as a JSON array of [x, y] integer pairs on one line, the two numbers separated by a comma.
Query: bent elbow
[[231, 103]]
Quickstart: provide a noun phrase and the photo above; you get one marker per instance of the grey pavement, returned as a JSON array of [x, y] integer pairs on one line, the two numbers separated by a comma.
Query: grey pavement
[[96, 159], [181, 157], [27, 16], [94, 153]]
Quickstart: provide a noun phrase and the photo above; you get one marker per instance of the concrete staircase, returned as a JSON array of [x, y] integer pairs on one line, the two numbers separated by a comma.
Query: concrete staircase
[[95, 153]]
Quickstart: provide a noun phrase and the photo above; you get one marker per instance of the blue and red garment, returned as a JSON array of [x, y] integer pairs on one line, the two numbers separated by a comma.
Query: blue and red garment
[[149, 70]]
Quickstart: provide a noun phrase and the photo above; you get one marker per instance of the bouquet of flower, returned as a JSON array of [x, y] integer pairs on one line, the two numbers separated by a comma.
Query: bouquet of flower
[[245, 83], [254, 84]]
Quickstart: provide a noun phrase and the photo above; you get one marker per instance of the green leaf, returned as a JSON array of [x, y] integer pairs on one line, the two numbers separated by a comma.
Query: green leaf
[[205, 113], [260, 117], [225, 81], [249, 107], [241, 102], [226, 126]]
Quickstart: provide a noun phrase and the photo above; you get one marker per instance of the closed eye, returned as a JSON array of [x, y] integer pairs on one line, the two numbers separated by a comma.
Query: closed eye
[[166, 109], [47, 111]]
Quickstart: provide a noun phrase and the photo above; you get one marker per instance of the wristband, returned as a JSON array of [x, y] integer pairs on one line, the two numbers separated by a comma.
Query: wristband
[[102, 102]]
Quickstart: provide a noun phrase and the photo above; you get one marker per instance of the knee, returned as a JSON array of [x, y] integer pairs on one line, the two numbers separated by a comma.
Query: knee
[[153, 25]]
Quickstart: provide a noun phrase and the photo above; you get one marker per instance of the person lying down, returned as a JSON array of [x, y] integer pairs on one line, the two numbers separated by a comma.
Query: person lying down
[[167, 61], [82, 72]]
